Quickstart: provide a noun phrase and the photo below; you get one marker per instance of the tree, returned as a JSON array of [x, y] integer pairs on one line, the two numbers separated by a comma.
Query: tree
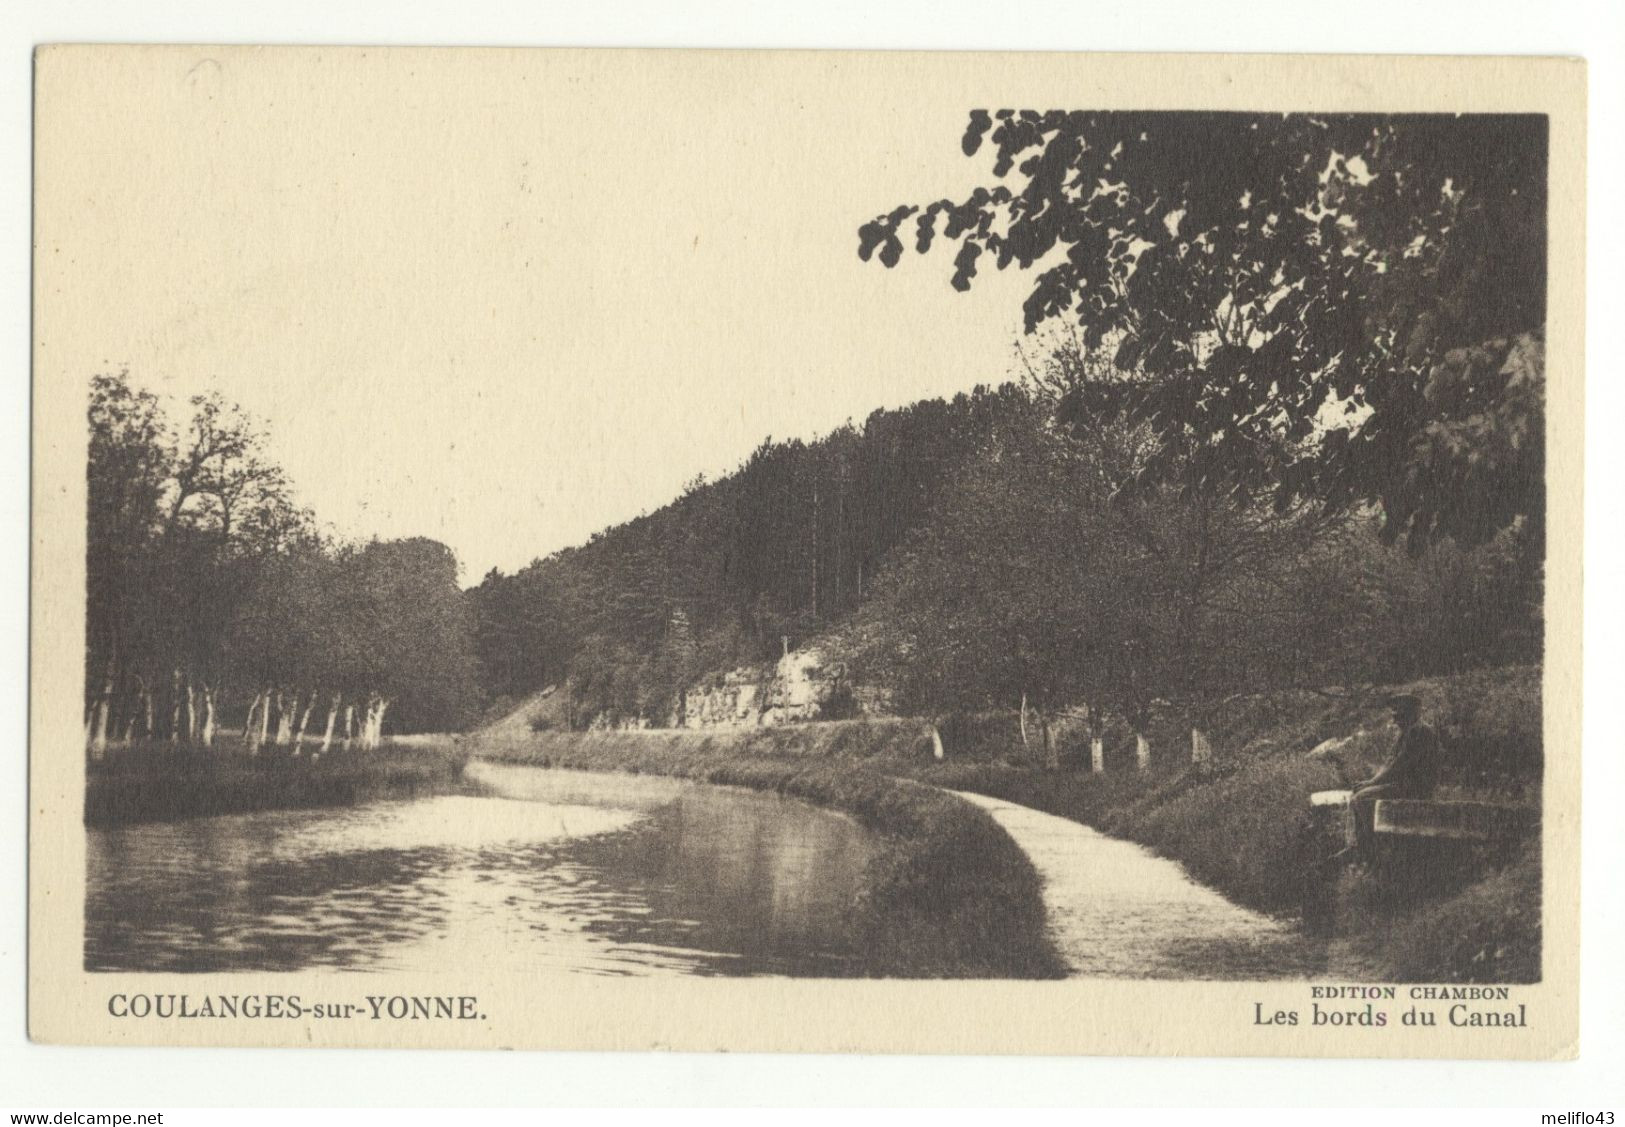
[[1033, 584], [1336, 307], [128, 472], [206, 581], [176, 528], [413, 635]]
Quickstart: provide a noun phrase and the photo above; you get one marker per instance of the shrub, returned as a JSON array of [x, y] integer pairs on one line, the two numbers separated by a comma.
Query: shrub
[[840, 704], [1489, 931]]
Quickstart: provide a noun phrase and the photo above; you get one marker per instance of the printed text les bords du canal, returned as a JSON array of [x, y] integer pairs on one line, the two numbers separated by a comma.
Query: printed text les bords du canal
[[1378, 1007], [370, 1007]]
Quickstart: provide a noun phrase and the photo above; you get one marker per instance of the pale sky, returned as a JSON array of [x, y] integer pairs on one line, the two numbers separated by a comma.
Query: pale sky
[[505, 300]]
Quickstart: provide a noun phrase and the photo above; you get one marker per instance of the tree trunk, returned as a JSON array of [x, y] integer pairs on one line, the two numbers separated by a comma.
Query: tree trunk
[[104, 706], [332, 714], [296, 738], [1097, 755], [265, 718], [1051, 759], [117, 721], [1142, 751], [248, 721], [206, 736], [364, 739], [349, 726], [304, 719], [1023, 720], [375, 721], [1201, 750], [191, 711], [98, 741], [285, 709], [175, 706]]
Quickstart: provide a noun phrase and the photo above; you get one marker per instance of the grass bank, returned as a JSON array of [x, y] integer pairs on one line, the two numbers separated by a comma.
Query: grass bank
[[948, 894], [158, 782], [1237, 826]]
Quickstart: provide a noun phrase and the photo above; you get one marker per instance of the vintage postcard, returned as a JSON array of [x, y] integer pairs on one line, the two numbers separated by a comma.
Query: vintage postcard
[[813, 552]]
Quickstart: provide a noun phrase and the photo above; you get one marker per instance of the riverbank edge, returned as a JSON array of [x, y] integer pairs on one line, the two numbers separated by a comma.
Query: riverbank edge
[[1486, 930], [1235, 823], [948, 894], [160, 783]]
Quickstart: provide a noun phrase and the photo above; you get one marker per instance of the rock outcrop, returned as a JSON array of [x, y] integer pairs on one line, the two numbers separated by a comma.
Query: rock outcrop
[[799, 686]]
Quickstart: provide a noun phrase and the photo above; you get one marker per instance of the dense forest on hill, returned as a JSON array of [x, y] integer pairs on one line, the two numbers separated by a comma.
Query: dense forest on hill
[[788, 544], [972, 553]]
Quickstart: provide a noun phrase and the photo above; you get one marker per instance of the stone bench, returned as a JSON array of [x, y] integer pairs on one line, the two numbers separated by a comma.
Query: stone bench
[[1453, 821], [1407, 830]]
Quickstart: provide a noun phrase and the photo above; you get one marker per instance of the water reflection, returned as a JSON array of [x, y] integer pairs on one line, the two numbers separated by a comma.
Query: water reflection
[[541, 870]]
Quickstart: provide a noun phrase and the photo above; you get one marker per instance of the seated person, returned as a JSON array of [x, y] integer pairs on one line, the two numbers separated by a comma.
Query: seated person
[[1413, 771]]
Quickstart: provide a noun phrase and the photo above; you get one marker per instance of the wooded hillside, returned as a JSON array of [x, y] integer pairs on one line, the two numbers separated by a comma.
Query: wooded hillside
[[973, 553]]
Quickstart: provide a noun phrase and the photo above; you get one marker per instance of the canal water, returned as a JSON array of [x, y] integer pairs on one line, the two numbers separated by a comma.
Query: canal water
[[530, 869]]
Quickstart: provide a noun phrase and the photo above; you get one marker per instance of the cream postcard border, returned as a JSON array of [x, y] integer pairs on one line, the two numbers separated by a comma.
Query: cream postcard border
[[68, 1005]]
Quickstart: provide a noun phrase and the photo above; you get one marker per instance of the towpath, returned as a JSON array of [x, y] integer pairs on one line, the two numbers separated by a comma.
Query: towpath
[[1117, 910]]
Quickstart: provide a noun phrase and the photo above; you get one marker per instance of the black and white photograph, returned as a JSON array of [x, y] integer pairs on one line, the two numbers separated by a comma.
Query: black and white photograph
[[721, 523]]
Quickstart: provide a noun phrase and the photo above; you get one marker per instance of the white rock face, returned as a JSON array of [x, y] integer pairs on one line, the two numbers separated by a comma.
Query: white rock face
[[795, 688]]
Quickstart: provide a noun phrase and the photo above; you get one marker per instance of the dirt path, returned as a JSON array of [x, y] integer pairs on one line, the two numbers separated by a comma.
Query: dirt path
[[1116, 910]]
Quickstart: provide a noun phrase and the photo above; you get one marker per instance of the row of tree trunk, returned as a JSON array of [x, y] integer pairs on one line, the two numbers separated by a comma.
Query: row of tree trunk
[[1201, 747], [180, 708], [281, 718], [184, 709]]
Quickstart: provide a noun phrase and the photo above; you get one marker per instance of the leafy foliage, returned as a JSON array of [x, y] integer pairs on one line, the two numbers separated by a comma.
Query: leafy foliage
[[1336, 307]]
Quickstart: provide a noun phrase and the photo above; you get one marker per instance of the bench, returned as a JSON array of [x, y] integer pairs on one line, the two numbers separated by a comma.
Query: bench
[[1453, 821], [1407, 830]]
